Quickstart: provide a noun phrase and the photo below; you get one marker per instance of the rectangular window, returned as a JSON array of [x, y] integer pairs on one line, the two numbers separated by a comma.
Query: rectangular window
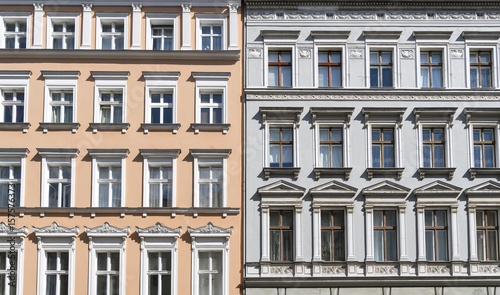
[[431, 69], [487, 235], [63, 35], [433, 147], [159, 273], [210, 184], [211, 105], [281, 147], [15, 34], [436, 235], [56, 273], [210, 270], [380, 69], [484, 147], [5, 264], [112, 35], [281, 233], [385, 235], [109, 182], [382, 148], [108, 273], [332, 235], [59, 182], [280, 68], [13, 106], [161, 107], [330, 69], [162, 37], [211, 37], [111, 107], [480, 69], [10, 178], [160, 185], [61, 103], [330, 147]]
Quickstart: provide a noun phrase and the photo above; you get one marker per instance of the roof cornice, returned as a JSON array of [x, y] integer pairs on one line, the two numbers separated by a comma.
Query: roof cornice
[[377, 4]]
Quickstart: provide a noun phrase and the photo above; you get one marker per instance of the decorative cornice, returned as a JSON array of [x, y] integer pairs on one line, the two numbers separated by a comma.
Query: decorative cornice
[[14, 152], [362, 95], [87, 7], [158, 229], [107, 229], [210, 229], [374, 4], [56, 152], [10, 230], [55, 229]]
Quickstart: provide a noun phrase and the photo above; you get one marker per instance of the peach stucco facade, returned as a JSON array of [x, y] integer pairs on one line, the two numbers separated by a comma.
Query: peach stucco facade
[[132, 66]]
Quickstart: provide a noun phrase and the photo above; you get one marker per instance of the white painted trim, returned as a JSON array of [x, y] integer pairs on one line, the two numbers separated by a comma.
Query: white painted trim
[[233, 26], [161, 19], [494, 63], [13, 16], [186, 27], [37, 26], [395, 62], [104, 84], [331, 46], [215, 160], [5, 246], [211, 19], [104, 161], [272, 46], [111, 17], [162, 161], [345, 141], [136, 26], [86, 26], [445, 62], [59, 84], [212, 86], [48, 161], [53, 17]]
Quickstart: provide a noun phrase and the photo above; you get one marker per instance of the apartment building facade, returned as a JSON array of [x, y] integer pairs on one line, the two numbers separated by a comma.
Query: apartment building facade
[[371, 147], [120, 150]]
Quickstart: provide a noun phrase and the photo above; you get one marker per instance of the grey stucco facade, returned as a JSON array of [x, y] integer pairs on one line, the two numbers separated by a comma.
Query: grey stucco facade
[[460, 188]]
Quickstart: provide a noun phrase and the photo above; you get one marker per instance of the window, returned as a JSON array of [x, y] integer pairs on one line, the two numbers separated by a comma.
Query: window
[[111, 107], [484, 147], [436, 235], [210, 249], [382, 147], [15, 33], [108, 168], [210, 177], [12, 254], [159, 272], [433, 147], [62, 31], [281, 235], [162, 37], [5, 282], [280, 68], [56, 273], [160, 101], [13, 105], [161, 31], [487, 235], [385, 235], [210, 272], [332, 235], [61, 103], [480, 69], [59, 186], [211, 31], [159, 177], [281, 147], [431, 69], [10, 182], [107, 259], [111, 31], [211, 37], [330, 68], [381, 69], [211, 108], [331, 147], [108, 273]]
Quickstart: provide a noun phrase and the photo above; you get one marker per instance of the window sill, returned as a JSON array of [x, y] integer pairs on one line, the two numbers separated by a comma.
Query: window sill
[[292, 171], [395, 172], [59, 127], [210, 127], [160, 127], [109, 127], [325, 171], [484, 171], [15, 126], [449, 171]]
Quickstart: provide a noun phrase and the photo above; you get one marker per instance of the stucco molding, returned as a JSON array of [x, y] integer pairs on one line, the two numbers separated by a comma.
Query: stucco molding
[[210, 229], [107, 229], [6, 230], [361, 97], [158, 229], [55, 229]]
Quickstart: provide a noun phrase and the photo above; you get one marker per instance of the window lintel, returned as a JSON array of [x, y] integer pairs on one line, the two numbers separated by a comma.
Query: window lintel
[[158, 230], [384, 114], [480, 36], [160, 153], [108, 153], [210, 153], [432, 35], [381, 35], [107, 230], [281, 113], [55, 152], [209, 231], [15, 74], [330, 35], [482, 115], [148, 75], [279, 34], [332, 114], [211, 75], [110, 75], [60, 74], [14, 152], [444, 115], [8, 231]]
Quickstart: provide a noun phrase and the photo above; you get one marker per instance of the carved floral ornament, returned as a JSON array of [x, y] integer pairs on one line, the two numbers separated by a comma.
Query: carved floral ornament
[[8, 230], [54, 228], [158, 229], [210, 229], [407, 53], [107, 229], [399, 97]]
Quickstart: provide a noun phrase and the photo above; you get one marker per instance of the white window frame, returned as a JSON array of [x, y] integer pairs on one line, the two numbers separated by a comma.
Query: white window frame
[[165, 82], [294, 59], [482, 118], [209, 157], [18, 235], [15, 81], [158, 238], [107, 18], [15, 156], [493, 49], [159, 158], [57, 18], [395, 64], [55, 238], [107, 158], [15, 17], [209, 238], [106, 82], [211, 19], [59, 82], [445, 61], [161, 19], [57, 157], [211, 82], [321, 47], [107, 238]]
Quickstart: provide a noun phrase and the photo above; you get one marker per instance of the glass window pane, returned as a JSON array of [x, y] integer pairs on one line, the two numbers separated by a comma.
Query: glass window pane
[[338, 218], [323, 76], [489, 156], [338, 245], [374, 57], [436, 57], [474, 77], [424, 57], [388, 135], [492, 245], [438, 156], [335, 57], [275, 218], [442, 245], [440, 218], [274, 153], [390, 218], [326, 245], [63, 285], [273, 56], [429, 245], [286, 76], [286, 57], [275, 245], [376, 156], [429, 218], [217, 43], [155, 115], [488, 134], [436, 77], [386, 76], [153, 285], [115, 261], [427, 157], [337, 156], [165, 284], [378, 243], [286, 134], [167, 195], [153, 260], [376, 134], [336, 77], [204, 195], [485, 57], [479, 218], [102, 261], [116, 197], [481, 244], [474, 57], [273, 75], [205, 115], [51, 285], [51, 260], [378, 218], [324, 135], [287, 218], [205, 43], [386, 57], [374, 77], [287, 160], [287, 245], [326, 218], [154, 195], [391, 245], [64, 261], [323, 56], [388, 155], [492, 218], [217, 116]]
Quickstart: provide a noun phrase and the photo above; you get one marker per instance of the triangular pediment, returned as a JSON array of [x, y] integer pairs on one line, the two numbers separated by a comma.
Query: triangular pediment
[[334, 188], [281, 188], [386, 188], [489, 188], [438, 188]]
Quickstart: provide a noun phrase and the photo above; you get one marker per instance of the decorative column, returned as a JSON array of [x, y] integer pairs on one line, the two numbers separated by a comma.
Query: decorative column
[[403, 256], [136, 26], [298, 234], [233, 26], [316, 233], [350, 235], [454, 234], [369, 233], [186, 27], [265, 233], [86, 25], [37, 26], [420, 233], [472, 234]]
